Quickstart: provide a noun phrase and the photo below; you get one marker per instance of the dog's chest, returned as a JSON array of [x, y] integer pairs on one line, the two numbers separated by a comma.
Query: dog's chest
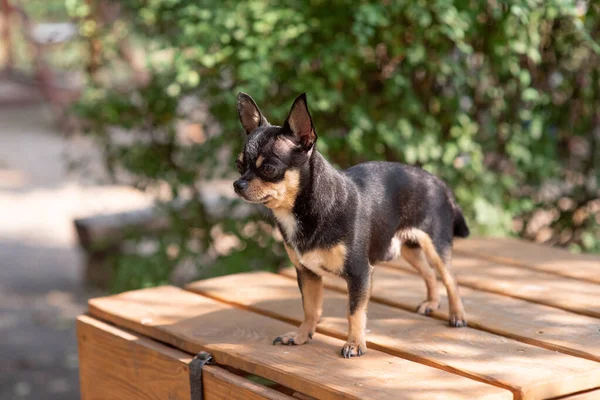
[[287, 222], [321, 261]]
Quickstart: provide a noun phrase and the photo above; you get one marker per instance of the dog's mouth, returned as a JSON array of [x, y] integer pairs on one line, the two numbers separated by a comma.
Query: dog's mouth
[[262, 200]]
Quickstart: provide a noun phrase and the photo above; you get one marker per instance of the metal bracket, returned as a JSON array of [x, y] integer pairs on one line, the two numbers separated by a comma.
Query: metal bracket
[[198, 362]]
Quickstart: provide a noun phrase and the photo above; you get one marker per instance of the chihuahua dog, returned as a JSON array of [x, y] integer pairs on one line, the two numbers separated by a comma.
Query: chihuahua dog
[[342, 223]]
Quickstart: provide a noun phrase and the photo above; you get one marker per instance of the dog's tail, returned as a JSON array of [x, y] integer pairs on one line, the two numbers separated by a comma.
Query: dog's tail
[[460, 227]]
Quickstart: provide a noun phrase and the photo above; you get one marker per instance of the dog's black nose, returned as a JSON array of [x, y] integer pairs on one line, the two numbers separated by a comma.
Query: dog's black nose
[[240, 185]]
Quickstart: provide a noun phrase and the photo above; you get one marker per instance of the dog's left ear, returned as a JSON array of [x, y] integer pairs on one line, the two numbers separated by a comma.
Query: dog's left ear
[[250, 116], [300, 123]]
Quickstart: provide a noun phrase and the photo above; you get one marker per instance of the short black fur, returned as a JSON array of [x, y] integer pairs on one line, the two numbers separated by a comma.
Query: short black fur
[[365, 207]]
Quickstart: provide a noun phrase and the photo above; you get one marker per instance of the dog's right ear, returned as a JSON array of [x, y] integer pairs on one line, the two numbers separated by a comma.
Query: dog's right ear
[[250, 116], [299, 122]]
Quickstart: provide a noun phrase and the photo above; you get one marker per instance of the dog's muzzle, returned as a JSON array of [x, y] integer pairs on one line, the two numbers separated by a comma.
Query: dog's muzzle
[[240, 185]]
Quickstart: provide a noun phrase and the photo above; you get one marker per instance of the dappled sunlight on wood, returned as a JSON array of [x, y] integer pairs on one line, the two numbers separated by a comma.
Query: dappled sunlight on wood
[[471, 352], [538, 324], [242, 339], [575, 295], [511, 344], [528, 255], [567, 293]]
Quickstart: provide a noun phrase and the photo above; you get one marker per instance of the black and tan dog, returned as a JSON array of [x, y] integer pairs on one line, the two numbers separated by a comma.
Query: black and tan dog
[[344, 222]]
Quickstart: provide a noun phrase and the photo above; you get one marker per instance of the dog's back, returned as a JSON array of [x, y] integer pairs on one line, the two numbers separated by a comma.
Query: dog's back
[[396, 197]]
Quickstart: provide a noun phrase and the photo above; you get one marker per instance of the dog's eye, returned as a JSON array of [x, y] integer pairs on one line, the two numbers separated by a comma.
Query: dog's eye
[[240, 166], [267, 170]]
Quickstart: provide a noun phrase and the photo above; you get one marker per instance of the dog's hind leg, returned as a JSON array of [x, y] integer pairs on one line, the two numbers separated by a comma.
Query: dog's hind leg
[[416, 258], [441, 263]]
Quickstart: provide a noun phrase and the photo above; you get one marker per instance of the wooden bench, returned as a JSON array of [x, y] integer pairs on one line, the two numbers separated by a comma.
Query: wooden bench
[[534, 333]]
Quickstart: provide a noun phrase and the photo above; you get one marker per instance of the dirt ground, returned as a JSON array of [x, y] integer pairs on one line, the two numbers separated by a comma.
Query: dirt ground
[[41, 267]]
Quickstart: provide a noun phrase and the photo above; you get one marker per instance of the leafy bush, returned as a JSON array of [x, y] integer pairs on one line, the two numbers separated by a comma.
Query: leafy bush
[[499, 98]]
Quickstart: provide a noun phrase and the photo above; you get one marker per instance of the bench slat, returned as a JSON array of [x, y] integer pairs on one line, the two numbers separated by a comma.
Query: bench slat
[[569, 294], [220, 384], [141, 368], [107, 369], [531, 255], [529, 371], [587, 395], [536, 324], [242, 339]]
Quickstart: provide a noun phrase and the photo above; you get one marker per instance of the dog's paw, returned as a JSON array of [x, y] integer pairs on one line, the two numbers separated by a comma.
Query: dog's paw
[[457, 319], [291, 338], [353, 349], [427, 307]]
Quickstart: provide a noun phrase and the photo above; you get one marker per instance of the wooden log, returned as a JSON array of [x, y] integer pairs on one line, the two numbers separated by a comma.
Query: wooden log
[[102, 232]]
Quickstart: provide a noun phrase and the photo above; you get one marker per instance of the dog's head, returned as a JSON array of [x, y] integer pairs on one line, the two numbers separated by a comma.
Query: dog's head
[[274, 156]]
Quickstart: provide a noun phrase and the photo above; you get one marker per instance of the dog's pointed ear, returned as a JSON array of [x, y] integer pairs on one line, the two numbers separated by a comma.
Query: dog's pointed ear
[[300, 123], [250, 116]]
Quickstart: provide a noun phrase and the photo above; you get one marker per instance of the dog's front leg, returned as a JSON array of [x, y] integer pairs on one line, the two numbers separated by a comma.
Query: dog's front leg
[[359, 291], [311, 288]]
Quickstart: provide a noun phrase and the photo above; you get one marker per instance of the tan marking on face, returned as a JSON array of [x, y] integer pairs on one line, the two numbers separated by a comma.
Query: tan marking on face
[[259, 161], [241, 157], [281, 195], [322, 261]]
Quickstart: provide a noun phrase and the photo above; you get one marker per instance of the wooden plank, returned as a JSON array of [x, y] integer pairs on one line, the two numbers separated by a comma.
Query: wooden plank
[[302, 396], [119, 364], [537, 324], [115, 364], [220, 384], [587, 395], [529, 371], [569, 294], [539, 257], [243, 340]]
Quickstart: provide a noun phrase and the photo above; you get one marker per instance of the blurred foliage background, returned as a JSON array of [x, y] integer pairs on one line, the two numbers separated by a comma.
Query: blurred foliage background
[[499, 98]]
